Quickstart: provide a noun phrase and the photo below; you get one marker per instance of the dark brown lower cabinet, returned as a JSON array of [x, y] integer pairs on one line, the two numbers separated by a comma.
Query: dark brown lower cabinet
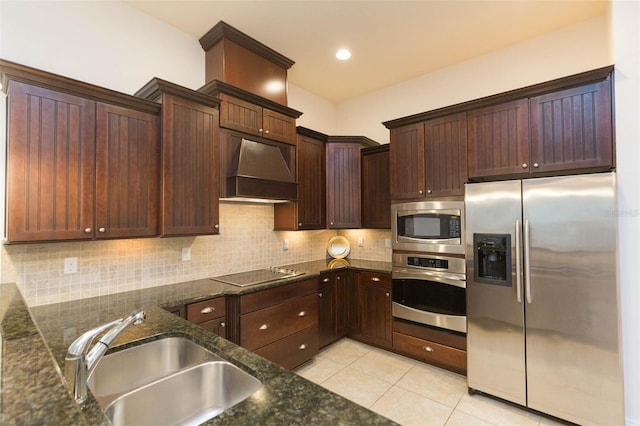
[[281, 323], [332, 307], [368, 298], [209, 314]]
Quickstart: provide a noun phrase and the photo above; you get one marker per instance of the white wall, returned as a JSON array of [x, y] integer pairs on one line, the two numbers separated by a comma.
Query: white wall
[[318, 114], [626, 54], [569, 51]]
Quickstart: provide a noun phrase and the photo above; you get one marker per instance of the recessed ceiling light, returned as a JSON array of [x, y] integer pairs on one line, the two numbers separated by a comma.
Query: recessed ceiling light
[[343, 54]]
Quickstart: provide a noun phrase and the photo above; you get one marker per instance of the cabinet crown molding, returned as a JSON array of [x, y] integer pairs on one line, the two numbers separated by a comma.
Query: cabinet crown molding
[[364, 141], [156, 87], [579, 79], [304, 131], [222, 30], [11, 71]]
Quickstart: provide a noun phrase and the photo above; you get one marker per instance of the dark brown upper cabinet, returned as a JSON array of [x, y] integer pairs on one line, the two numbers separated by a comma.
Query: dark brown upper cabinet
[[376, 202], [344, 181], [82, 161], [191, 159], [251, 114], [445, 141], [309, 212], [562, 126]]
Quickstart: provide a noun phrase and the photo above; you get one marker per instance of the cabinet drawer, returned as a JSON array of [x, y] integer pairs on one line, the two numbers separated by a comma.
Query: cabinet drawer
[[267, 325], [216, 326], [293, 350], [273, 296], [431, 352], [206, 310], [375, 278]]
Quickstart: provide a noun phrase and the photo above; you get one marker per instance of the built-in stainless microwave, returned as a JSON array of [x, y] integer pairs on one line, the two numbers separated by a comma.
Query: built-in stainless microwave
[[428, 226]]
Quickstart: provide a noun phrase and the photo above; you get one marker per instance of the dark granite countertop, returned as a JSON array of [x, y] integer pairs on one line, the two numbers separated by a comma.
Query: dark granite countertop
[[34, 343]]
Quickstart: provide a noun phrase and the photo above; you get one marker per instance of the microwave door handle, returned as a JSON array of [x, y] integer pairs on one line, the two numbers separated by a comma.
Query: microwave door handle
[[518, 232]]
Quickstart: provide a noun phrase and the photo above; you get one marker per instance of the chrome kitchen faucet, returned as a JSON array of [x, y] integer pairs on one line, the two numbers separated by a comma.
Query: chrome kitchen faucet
[[80, 361]]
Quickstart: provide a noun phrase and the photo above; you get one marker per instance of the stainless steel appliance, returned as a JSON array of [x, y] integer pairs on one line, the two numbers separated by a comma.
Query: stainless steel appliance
[[430, 289], [259, 276], [428, 226], [542, 295]]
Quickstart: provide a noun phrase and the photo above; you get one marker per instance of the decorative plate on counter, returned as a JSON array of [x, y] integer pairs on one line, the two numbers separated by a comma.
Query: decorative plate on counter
[[338, 247], [338, 263]]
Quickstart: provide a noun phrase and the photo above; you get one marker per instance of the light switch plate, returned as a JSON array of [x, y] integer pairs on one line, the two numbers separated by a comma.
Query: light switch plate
[[360, 241], [387, 242], [186, 254], [70, 265], [285, 245]]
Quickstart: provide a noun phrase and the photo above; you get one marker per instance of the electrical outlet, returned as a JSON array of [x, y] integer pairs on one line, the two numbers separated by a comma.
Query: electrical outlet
[[360, 241], [70, 265], [186, 254], [387, 242], [285, 245]]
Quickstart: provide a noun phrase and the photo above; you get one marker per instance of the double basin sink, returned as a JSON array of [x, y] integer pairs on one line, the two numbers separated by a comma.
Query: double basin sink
[[171, 381]]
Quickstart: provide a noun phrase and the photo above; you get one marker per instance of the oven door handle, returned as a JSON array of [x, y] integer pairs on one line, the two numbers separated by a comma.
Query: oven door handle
[[457, 280]]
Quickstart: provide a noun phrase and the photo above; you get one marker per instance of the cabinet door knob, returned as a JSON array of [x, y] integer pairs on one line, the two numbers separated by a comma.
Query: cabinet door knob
[[87, 230], [319, 294], [260, 130], [302, 347], [375, 279], [266, 132], [428, 348], [338, 277], [387, 294], [263, 327], [101, 230], [302, 313], [326, 280], [331, 223], [536, 165], [525, 165], [207, 310], [429, 191], [223, 325], [420, 192], [216, 226], [299, 223]]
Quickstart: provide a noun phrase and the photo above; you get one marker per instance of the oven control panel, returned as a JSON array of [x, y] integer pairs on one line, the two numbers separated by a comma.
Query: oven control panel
[[427, 262]]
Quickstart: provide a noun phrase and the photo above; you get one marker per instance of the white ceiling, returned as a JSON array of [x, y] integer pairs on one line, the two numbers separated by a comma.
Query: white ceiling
[[391, 41]]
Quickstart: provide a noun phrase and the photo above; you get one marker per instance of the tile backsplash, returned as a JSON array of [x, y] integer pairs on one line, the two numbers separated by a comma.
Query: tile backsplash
[[246, 241]]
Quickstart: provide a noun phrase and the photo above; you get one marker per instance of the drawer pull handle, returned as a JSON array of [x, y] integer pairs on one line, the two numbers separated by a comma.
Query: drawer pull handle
[[375, 279], [302, 313], [326, 280], [428, 348], [302, 347], [263, 327], [207, 310]]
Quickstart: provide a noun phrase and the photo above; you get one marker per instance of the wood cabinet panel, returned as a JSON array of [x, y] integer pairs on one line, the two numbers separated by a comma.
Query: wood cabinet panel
[[128, 154], [267, 325], [50, 165], [190, 172], [375, 308], [343, 186], [431, 352], [276, 295], [572, 129], [216, 326], [498, 140], [240, 115], [206, 310], [293, 350], [446, 155], [376, 201], [327, 311], [278, 127], [407, 162]]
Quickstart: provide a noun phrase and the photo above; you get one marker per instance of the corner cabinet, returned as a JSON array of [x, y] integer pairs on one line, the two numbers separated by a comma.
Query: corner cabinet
[[332, 307], [373, 309], [376, 202], [82, 161], [309, 212], [190, 162], [344, 180]]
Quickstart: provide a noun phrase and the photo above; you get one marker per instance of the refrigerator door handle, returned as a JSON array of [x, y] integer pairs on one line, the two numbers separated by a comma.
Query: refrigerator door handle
[[518, 232], [527, 262]]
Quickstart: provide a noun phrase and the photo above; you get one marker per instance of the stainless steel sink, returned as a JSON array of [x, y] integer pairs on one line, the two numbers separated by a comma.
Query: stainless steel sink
[[169, 381], [189, 397], [123, 371]]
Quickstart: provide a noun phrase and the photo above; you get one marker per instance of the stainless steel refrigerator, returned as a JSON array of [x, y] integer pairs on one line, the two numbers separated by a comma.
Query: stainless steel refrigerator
[[543, 321]]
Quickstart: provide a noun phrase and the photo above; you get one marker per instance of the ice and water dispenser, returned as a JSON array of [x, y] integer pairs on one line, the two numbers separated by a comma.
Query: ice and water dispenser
[[492, 258]]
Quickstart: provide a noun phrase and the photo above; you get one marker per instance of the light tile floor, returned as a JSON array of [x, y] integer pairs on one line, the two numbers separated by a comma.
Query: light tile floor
[[407, 391]]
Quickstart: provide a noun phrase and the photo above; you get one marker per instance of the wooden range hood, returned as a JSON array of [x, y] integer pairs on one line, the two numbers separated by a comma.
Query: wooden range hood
[[237, 59]]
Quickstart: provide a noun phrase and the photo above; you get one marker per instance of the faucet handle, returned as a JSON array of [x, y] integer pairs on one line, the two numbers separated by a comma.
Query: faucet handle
[[81, 345]]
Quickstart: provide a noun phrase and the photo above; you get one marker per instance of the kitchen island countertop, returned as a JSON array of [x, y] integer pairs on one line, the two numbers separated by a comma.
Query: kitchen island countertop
[[34, 344]]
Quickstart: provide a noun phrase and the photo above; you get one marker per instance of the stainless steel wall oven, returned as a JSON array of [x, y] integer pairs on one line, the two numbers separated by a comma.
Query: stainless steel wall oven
[[430, 289]]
